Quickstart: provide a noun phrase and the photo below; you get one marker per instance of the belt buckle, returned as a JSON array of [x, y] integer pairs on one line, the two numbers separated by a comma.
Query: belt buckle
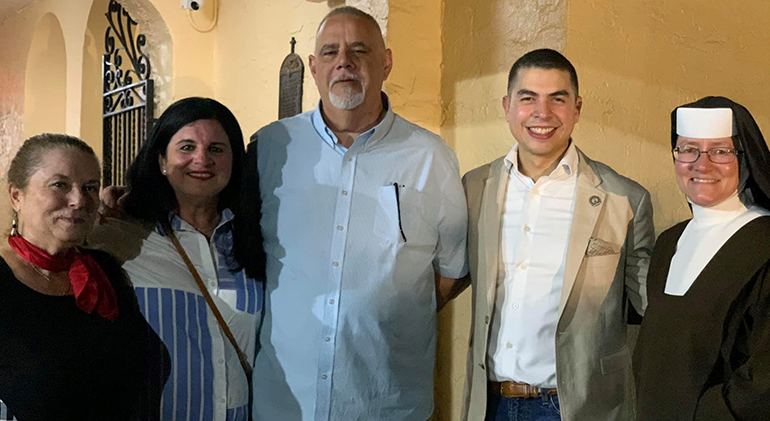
[[502, 387]]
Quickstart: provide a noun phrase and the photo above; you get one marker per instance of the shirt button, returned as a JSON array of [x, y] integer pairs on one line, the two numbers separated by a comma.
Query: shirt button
[[516, 305], [222, 400], [508, 345], [324, 376], [335, 264], [527, 228], [213, 284], [486, 319], [523, 266], [331, 302], [221, 361], [328, 339], [339, 228], [535, 192], [344, 192], [350, 159]]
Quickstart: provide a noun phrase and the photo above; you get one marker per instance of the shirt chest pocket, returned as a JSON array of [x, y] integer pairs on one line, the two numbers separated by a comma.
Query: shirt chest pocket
[[406, 216]]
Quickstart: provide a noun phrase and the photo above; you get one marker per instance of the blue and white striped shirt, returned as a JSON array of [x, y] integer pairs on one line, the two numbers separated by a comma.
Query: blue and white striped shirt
[[207, 381]]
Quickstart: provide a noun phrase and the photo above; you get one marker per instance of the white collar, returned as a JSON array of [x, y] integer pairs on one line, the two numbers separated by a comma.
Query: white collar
[[725, 211], [567, 165], [703, 237]]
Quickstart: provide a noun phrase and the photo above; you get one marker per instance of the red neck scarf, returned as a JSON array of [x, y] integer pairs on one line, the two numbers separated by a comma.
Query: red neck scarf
[[93, 291]]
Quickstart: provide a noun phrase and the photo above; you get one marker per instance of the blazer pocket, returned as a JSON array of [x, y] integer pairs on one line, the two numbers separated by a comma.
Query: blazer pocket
[[599, 247], [616, 361]]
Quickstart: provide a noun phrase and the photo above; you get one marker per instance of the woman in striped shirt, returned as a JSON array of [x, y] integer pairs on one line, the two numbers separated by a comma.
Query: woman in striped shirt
[[182, 211]]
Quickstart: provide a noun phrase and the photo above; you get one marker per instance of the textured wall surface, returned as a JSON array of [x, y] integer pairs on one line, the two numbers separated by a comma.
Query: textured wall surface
[[638, 60], [252, 42], [16, 34], [414, 36], [160, 46], [481, 40], [45, 87], [379, 9]]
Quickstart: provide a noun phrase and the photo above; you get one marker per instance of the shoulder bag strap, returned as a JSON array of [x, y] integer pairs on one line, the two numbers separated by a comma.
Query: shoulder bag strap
[[226, 329]]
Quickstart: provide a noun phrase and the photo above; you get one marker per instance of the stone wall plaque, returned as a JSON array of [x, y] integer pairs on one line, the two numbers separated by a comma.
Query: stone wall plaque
[[290, 89]]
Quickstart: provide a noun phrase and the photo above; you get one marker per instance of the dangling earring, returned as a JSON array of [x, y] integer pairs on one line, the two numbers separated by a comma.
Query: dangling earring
[[15, 224]]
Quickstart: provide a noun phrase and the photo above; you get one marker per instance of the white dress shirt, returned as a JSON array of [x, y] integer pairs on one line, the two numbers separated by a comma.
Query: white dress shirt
[[534, 233], [708, 231]]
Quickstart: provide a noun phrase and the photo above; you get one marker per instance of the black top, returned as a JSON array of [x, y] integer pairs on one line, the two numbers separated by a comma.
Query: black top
[[706, 355], [59, 363]]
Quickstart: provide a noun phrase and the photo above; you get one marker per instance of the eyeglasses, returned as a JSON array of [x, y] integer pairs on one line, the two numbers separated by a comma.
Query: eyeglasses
[[689, 154]]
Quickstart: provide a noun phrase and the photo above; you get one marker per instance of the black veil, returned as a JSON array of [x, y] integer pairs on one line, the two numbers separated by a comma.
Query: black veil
[[754, 162]]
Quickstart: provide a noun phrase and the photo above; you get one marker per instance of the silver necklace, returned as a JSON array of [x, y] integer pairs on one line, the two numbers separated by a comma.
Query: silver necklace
[[47, 278]]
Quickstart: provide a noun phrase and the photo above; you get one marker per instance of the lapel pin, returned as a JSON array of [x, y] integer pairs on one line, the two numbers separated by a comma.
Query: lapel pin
[[595, 201]]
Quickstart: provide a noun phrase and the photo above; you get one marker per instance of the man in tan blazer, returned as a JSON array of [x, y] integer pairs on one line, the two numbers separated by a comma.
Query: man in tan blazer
[[558, 246]]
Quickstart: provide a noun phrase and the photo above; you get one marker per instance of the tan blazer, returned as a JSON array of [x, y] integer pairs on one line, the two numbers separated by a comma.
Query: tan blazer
[[610, 244]]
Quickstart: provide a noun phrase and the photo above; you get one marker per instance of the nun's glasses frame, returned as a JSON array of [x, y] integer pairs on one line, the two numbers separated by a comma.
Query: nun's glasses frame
[[688, 154]]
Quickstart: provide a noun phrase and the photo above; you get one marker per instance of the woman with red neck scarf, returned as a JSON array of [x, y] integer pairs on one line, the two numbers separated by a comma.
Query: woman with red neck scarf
[[73, 343]]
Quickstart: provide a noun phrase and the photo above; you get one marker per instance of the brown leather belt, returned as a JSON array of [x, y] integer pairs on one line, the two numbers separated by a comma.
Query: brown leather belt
[[517, 390]]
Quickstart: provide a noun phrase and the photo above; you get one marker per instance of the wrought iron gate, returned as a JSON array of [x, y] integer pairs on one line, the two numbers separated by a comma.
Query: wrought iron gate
[[127, 110]]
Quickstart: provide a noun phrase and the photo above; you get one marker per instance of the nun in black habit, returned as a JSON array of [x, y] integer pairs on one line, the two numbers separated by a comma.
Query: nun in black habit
[[703, 351]]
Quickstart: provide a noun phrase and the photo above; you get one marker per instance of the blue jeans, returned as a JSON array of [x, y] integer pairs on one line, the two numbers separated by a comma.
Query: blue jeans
[[544, 408]]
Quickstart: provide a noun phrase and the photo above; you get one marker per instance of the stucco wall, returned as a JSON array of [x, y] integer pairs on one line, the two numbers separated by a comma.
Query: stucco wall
[[414, 36], [252, 41], [45, 96], [16, 34], [638, 60]]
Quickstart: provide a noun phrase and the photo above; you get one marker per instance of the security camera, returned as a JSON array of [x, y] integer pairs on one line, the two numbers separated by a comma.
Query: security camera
[[192, 4]]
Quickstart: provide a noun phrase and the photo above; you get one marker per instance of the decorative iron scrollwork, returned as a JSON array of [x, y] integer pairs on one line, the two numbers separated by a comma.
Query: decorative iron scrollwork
[[127, 93], [122, 28]]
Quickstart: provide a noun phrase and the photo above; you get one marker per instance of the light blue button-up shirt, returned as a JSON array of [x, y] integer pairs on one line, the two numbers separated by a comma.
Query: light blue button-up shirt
[[353, 239]]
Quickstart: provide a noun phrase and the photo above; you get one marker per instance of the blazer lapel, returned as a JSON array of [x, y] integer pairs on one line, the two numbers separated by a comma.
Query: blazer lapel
[[586, 213], [489, 225]]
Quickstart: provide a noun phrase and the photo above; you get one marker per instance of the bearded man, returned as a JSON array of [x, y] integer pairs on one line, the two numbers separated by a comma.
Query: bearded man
[[363, 219]]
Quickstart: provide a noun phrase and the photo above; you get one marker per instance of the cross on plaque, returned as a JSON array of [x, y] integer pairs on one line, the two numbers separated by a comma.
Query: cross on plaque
[[290, 90]]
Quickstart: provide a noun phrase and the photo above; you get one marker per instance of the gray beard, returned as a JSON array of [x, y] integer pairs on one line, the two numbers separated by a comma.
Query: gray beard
[[348, 100]]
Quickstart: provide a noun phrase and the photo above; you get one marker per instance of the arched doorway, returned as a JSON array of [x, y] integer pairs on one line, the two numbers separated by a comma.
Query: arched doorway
[[45, 86], [158, 48]]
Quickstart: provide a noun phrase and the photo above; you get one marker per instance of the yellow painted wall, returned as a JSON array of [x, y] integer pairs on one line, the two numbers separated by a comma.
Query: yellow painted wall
[[192, 51], [414, 36], [16, 36], [252, 41], [91, 97], [638, 60], [45, 88]]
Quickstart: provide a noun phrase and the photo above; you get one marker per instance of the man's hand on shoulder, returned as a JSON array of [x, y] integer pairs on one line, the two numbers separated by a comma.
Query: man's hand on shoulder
[[112, 199]]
